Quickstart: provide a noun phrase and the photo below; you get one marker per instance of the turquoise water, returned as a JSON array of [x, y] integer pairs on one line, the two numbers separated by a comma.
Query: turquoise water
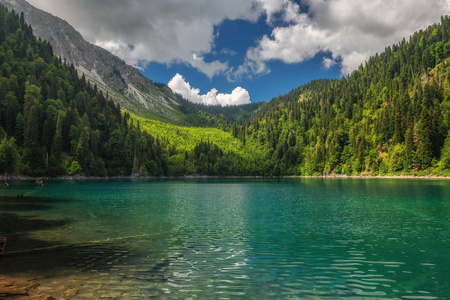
[[232, 238]]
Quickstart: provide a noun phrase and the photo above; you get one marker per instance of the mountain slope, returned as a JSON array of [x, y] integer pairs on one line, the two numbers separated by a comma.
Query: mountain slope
[[52, 122], [391, 116], [124, 84]]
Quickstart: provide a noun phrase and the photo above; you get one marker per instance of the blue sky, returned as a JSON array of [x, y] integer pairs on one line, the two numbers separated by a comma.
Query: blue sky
[[233, 38], [236, 51]]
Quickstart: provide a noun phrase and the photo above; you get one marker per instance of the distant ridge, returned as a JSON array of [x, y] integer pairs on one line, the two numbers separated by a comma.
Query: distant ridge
[[124, 83]]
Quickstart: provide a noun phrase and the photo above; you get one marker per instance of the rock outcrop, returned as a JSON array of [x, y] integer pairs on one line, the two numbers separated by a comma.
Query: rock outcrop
[[123, 83]]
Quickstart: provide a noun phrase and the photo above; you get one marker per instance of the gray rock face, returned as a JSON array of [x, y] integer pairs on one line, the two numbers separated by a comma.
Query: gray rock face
[[124, 83]]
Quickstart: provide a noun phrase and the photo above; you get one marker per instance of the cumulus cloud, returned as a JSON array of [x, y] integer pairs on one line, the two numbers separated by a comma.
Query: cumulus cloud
[[351, 30], [168, 31], [279, 10], [328, 62], [179, 85], [164, 31]]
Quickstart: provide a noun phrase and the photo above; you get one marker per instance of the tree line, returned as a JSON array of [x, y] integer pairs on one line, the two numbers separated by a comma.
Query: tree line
[[52, 122], [390, 116]]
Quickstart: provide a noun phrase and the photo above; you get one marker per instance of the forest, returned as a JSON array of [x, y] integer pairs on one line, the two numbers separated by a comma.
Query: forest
[[389, 117], [52, 122]]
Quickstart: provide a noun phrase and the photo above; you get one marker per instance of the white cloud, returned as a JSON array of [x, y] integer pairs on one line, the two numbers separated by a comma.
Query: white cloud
[[164, 31], [210, 69], [351, 30], [285, 10], [168, 31], [178, 85], [238, 96], [328, 62]]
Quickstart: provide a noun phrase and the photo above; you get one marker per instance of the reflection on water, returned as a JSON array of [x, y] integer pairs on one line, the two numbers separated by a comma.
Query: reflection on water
[[289, 238]]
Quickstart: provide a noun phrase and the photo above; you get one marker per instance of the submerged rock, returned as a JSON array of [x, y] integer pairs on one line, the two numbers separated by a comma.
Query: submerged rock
[[21, 288]]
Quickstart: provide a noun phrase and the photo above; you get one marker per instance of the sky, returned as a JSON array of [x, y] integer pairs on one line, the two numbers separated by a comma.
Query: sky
[[231, 52]]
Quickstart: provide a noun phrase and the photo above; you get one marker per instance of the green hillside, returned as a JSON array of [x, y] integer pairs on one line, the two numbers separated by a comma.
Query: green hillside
[[391, 116], [208, 151], [53, 123]]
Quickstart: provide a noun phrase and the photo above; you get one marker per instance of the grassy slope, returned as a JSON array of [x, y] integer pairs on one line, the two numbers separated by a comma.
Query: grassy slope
[[186, 138]]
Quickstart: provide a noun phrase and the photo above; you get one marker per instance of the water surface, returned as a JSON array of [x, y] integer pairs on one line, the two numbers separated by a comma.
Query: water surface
[[228, 238]]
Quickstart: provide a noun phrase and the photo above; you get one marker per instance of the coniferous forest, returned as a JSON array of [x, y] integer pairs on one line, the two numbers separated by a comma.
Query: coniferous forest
[[53, 122], [390, 116]]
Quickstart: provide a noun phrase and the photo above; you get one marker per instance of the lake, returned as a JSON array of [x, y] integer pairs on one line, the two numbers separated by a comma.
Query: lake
[[307, 238]]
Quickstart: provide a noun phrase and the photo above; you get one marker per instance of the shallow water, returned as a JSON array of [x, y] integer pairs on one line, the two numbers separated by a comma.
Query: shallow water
[[228, 238]]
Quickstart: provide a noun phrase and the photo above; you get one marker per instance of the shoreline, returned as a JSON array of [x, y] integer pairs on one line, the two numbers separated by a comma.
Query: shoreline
[[21, 287], [33, 287], [328, 176]]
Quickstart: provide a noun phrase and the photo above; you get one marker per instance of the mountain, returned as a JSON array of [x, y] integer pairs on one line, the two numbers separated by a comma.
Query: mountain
[[123, 83], [53, 122], [390, 116]]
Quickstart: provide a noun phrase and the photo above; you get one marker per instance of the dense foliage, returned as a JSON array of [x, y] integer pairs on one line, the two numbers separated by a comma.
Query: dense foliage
[[52, 122], [390, 116], [223, 153], [217, 116]]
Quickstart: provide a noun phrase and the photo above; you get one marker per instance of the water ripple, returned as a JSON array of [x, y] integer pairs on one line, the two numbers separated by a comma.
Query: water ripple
[[285, 239]]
